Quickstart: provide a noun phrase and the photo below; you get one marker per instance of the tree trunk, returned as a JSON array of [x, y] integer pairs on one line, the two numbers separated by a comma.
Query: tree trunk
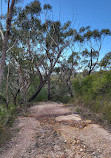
[[91, 63], [37, 91], [2, 64], [70, 90], [15, 102], [7, 83], [15, 96], [49, 96], [5, 41], [68, 83], [90, 71], [42, 83]]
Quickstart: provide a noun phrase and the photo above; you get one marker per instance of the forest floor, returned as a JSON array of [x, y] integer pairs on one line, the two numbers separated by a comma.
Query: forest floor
[[52, 130]]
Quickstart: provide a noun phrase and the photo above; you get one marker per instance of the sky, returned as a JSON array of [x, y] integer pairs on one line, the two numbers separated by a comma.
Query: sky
[[94, 13]]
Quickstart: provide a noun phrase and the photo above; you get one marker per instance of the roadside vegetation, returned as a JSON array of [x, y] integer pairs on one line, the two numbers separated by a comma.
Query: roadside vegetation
[[95, 93]]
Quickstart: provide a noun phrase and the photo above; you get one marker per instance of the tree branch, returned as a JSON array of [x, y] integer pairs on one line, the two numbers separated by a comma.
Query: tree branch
[[2, 34], [11, 47]]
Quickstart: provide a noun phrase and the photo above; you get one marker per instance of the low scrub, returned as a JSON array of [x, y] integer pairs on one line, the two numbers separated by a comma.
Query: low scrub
[[6, 116], [95, 92]]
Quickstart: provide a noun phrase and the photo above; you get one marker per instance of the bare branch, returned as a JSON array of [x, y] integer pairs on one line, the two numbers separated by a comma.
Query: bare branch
[[11, 47], [2, 34]]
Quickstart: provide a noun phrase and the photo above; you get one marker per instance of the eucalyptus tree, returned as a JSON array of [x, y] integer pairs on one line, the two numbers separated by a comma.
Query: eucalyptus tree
[[68, 69], [27, 33], [26, 30], [22, 78], [55, 41], [91, 41], [5, 33], [90, 60], [105, 62], [42, 42]]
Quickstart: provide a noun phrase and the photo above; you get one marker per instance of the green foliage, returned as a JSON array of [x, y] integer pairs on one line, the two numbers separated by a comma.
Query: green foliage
[[59, 91], [79, 37], [33, 86], [97, 83], [106, 31], [6, 118], [47, 7], [33, 8], [106, 109], [62, 98], [106, 61], [42, 96], [95, 92]]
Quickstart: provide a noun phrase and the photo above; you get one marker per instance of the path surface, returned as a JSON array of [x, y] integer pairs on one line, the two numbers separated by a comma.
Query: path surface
[[52, 130]]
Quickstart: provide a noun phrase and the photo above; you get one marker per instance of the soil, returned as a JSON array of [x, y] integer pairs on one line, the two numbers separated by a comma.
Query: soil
[[52, 130]]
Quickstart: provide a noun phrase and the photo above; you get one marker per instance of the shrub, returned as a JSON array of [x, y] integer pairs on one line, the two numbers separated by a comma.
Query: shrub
[[95, 92]]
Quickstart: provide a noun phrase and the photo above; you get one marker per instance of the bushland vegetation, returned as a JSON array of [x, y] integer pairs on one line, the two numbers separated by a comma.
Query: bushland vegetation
[[46, 59], [94, 91]]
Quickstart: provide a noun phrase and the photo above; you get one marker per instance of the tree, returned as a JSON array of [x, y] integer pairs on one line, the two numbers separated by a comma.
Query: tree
[[68, 70], [42, 43], [10, 9], [105, 63], [91, 60], [55, 41], [92, 41]]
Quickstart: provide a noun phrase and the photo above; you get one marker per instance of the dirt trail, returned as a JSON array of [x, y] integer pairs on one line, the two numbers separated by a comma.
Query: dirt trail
[[53, 131]]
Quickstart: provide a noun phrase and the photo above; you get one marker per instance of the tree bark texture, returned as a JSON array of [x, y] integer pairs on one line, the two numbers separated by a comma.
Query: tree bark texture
[[49, 96]]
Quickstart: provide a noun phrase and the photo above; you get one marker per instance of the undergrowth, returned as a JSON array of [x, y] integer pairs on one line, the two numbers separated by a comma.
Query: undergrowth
[[7, 118], [94, 92]]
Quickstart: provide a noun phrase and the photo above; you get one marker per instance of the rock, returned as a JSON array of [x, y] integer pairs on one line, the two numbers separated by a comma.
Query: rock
[[81, 150], [68, 117], [65, 141], [57, 148], [63, 156]]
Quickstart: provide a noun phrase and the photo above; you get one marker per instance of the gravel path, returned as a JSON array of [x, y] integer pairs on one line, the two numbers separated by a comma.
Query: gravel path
[[53, 131]]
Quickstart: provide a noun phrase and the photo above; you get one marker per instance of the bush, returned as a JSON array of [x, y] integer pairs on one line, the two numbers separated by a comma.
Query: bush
[[6, 115], [95, 92], [42, 96], [106, 109]]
